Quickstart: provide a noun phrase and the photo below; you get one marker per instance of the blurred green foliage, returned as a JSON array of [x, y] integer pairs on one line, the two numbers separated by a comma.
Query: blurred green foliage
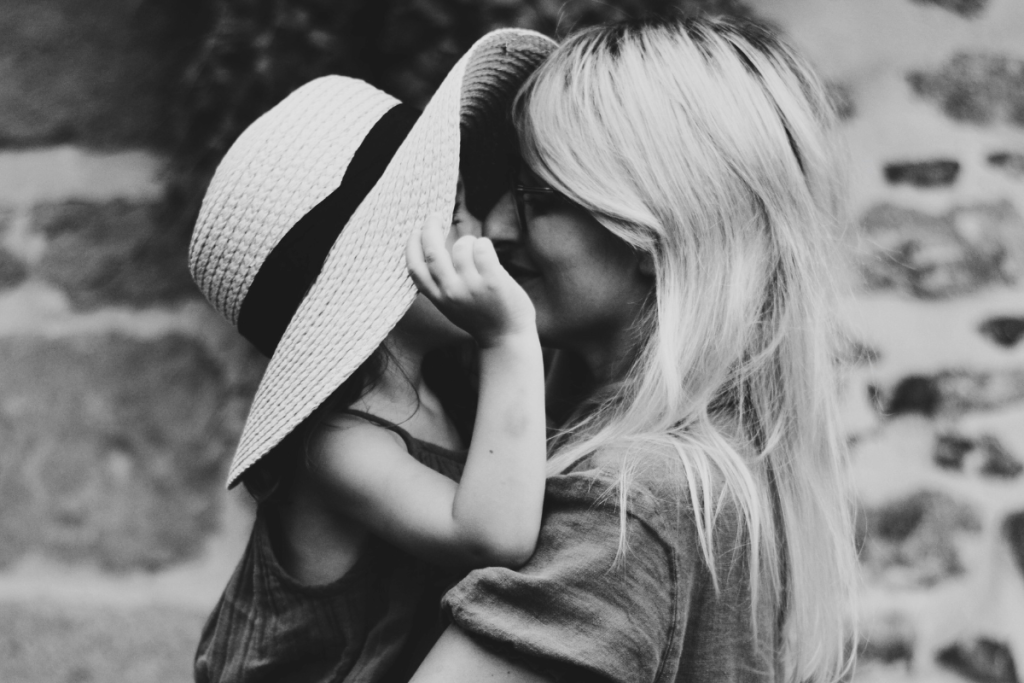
[[258, 51]]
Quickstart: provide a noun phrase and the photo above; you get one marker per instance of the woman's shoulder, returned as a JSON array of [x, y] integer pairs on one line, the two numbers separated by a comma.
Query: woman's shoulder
[[654, 466], [661, 479]]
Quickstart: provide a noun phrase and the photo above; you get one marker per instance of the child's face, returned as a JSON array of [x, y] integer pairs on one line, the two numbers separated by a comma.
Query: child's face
[[424, 320]]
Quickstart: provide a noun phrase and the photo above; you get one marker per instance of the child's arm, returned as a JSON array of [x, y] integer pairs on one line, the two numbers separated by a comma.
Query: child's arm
[[493, 516], [499, 500]]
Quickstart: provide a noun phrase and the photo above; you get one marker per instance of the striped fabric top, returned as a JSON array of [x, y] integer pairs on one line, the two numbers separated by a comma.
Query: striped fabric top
[[375, 623]]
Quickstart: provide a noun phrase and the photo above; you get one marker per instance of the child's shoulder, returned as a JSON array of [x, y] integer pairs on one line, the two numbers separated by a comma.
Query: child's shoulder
[[342, 433]]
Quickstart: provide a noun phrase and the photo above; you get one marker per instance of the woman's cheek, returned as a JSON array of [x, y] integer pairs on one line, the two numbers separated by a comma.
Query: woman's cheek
[[548, 316], [535, 290]]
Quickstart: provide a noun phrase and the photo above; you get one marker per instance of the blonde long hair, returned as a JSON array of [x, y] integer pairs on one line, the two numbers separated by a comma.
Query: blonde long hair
[[711, 146]]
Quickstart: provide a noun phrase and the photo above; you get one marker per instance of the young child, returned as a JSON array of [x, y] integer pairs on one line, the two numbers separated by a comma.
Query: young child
[[368, 504]]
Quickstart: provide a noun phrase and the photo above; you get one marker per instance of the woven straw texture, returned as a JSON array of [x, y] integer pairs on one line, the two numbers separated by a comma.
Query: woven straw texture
[[293, 157], [282, 166]]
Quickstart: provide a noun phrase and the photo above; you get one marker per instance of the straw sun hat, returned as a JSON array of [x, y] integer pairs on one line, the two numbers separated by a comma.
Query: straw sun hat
[[300, 241]]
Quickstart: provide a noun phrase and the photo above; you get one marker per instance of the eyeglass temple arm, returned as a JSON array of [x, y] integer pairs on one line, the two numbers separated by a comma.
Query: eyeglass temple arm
[[529, 189]]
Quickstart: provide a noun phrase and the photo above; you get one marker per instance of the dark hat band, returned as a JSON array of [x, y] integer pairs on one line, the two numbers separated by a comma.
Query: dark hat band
[[294, 263]]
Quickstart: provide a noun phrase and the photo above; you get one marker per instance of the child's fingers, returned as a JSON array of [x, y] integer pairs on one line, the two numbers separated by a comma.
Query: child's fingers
[[435, 255], [486, 259], [462, 259], [418, 266]]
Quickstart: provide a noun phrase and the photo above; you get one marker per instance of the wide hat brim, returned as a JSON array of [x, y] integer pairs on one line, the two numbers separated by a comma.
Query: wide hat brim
[[364, 289]]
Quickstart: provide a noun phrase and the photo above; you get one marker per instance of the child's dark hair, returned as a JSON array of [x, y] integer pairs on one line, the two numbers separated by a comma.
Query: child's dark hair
[[274, 470]]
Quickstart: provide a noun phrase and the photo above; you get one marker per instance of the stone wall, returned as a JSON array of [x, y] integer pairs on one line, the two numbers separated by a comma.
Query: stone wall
[[121, 392], [936, 408]]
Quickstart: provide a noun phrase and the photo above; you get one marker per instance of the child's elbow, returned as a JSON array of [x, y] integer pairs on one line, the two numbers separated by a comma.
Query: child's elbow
[[506, 552], [515, 555]]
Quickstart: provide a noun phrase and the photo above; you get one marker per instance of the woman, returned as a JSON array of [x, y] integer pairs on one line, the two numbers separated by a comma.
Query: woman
[[674, 223]]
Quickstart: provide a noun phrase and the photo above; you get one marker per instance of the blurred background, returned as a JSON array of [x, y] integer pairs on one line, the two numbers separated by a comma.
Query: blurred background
[[122, 393]]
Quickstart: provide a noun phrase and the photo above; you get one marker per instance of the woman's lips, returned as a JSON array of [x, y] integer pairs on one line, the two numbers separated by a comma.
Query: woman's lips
[[512, 259]]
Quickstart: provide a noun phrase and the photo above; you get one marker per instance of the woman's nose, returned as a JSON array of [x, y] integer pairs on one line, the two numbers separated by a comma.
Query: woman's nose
[[501, 225], [468, 224]]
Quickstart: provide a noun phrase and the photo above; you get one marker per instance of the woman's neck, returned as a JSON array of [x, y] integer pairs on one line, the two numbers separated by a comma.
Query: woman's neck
[[577, 373], [607, 357]]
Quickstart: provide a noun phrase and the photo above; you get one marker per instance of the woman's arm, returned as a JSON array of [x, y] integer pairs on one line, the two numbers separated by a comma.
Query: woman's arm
[[457, 658], [573, 611]]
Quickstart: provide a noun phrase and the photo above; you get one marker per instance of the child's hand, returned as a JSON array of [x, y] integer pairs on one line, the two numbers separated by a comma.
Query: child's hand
[[469, 286]]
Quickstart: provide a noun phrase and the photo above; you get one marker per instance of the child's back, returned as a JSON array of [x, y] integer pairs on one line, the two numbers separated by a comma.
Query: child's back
[[313, 542], [321, 598]]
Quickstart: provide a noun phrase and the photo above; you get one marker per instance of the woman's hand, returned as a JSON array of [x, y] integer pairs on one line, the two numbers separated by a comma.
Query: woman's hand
[[469, 286]]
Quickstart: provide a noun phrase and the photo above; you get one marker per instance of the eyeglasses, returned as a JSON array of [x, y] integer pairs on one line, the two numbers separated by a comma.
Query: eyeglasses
[[519, 193]]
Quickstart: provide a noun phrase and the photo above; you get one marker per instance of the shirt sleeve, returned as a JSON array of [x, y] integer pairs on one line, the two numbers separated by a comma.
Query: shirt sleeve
[[574, 610]]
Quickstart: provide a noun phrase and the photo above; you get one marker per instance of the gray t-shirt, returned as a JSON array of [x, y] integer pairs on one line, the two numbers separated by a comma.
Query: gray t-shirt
[[574, 614]]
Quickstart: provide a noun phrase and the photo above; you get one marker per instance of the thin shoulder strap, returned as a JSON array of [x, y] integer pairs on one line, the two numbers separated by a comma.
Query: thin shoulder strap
[[386, 424]]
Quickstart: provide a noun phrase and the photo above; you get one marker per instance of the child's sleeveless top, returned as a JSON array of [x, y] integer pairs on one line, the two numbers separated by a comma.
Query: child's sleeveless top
[[375, 623]]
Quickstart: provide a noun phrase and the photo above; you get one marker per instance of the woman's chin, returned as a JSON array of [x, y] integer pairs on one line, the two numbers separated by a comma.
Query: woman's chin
[[458, 336], [548, 329]]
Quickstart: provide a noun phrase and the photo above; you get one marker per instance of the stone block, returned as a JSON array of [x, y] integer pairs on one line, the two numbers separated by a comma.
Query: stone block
[[51, 643], [997, 461], [936, 173], [985, 455], [12, 270], [888, 638], [102, 74], [859, 353], [909, 542], [1010, 162], [962, 251], [983, 660], [951, 449], [113, 449], [1013, 529], [950, 392], [965, 8], [118, 252], [45, 175], [1004, 330], [976, 88]]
